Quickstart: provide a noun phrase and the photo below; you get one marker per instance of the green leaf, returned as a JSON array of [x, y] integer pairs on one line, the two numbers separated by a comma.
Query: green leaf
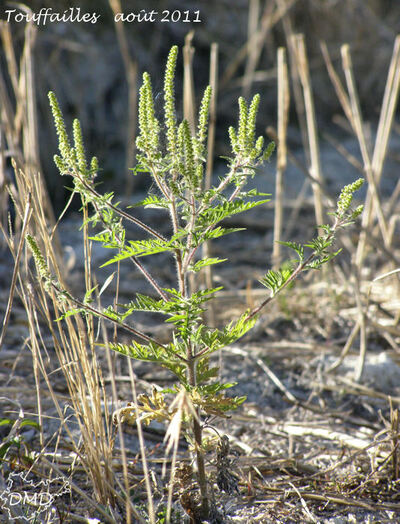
[[320, 244], [215, 214], [203, 371], [108, 240], [205, 262], [213, 389], [138, 169], [215, 339], [4, 448], [146, 303], [141, 248], [152, 202], [318, 262], [31, 423], [255, 192], [177, 318], [275, 280], [199, 237], [164, 356], [69, 313], [175, 306], [295, 246], [88, 295], [212, 402]]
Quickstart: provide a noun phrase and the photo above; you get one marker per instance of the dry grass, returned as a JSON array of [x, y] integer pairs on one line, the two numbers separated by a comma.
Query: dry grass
[[131, 70], [283, 115]]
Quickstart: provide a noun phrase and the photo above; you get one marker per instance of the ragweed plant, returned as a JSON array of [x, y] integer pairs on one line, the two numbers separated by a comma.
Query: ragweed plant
[[174, 159]]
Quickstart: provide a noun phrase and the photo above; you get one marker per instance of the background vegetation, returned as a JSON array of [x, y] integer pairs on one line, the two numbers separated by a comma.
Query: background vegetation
[[95, 71], [319, 434]]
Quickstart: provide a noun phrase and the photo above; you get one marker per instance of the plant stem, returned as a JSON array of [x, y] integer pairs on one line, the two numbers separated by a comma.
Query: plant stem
[[119, 323], [135, 261], [198, 438], [201, 470], [295, 273], [119, 212]]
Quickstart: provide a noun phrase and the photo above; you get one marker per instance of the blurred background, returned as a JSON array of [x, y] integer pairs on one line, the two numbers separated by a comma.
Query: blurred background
[[95, 70]]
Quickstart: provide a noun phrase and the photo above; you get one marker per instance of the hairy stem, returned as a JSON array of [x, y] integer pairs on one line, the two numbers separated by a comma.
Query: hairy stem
[[135, 261], [295, 273], [121, 213], [198, 439], [119, 323]]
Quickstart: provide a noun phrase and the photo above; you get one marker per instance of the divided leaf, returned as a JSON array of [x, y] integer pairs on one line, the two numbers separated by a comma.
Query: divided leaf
[[275, 280], [165, 356], [213, 215], [207, 261], [142, 248]]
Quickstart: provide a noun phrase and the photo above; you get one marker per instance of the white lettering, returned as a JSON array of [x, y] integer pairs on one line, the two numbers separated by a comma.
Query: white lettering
[[45, 499], [9, 11], [17, 497], [47, 14], [30, 499], [20, 17]]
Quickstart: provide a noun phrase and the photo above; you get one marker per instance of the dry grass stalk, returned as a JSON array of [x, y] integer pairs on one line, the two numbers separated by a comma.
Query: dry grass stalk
[[3, 180], [32, 306], [346, 347], [270, 374], [283, 115], [189, 104], [111, 367], [18, 113], [74, 344], [295, 77], [372, 165], [28, 89], [361, 321], [25, 222], [23, 85], [340, 148], [394, 433], [340, 90], [85, 497], [358, 126], [213, 82], [268, 21], [300, 201], [182, 406], [150, 503], [131, 70], [313, 144], [254, 51], [11, 124], [388, 109]]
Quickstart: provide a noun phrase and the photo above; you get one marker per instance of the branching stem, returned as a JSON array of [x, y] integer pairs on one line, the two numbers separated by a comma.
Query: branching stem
[[121, 213], [295, 273], [119, 323]]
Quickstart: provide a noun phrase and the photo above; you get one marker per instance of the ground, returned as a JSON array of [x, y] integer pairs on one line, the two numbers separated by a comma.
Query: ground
[[311, 443]]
